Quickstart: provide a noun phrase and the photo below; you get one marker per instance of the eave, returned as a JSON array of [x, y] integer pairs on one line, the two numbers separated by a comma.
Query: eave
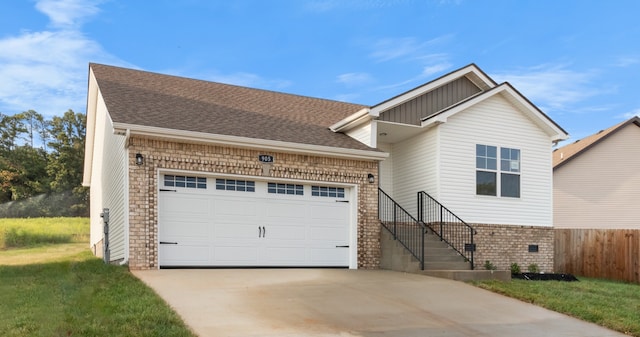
[[244, 142]]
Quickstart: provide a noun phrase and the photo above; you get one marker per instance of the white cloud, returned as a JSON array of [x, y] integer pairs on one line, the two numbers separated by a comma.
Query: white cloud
[[552, 86], [354, 79], [405, 48], [47, 70], [625, 61], [631, 114], [68, 13], [435, 69]]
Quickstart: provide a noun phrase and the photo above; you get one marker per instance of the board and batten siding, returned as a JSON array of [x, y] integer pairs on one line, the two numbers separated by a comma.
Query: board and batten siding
[[109, 184], [495, 122], [413, 111], [600, 188], [414, 169]]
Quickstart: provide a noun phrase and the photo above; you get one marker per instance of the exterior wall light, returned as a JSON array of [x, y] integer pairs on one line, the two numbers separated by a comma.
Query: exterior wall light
[[371, 178], [139, 159]]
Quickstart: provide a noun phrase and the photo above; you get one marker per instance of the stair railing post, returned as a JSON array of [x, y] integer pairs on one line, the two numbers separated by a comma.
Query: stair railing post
[[441, 224], [473, 248], [422, 250], [395, 228]]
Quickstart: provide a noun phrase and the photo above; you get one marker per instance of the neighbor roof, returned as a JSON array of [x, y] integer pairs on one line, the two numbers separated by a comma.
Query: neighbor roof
[[141, 98], [568, 152]]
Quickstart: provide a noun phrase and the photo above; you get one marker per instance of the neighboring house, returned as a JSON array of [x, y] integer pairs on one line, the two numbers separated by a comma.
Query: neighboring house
[[597, 180], [197, 173]]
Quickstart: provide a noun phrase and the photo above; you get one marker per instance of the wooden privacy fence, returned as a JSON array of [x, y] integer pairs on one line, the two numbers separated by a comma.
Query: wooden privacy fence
[[601, 253]]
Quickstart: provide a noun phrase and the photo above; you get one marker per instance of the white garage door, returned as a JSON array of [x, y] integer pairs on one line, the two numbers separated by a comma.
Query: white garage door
[[231, 222]]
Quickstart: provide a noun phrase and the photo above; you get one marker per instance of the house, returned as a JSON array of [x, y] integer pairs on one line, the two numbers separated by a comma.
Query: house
[[596, 180], [195, 173]]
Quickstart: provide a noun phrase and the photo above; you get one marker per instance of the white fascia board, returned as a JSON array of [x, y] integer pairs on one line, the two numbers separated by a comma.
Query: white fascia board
[[92, 99], [409, 95], [352, 121], [244, 142], [548, 126]]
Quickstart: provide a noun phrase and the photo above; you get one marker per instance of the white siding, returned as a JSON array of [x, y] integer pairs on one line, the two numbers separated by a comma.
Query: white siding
[[495, 122], [601, 187], [414, 169], [362, 134], [385, 174], [108, 183]]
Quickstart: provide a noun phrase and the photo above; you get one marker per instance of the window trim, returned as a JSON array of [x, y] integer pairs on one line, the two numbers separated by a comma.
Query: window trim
[[498, 172]]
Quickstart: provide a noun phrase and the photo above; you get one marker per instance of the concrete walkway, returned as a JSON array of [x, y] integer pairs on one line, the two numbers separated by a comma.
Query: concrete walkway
[[349, 303]]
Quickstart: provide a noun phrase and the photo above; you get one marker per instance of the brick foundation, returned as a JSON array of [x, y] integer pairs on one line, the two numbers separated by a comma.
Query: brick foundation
[[162, 154], [503, 245]]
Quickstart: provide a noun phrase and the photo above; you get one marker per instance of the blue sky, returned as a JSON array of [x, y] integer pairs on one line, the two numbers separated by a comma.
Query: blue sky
[[578, 61]]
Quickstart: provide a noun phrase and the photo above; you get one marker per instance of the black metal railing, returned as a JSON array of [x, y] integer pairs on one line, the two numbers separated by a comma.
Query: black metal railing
[[448, 226], [402, 225]]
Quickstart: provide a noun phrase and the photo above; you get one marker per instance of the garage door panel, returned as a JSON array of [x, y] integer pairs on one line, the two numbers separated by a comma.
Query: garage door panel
[[236, 255], [180, 204], [236, 207], [329, 234], [236, 231], [285, 255], [329, 256], [198, 230], [184, 254], [295, 232], [283, 209]]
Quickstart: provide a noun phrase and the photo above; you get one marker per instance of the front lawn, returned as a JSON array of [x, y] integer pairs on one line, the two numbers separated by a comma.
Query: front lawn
[[611, 304], [48, 288]]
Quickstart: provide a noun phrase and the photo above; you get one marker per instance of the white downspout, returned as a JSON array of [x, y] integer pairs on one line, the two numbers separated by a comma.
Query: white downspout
[[127, 134]]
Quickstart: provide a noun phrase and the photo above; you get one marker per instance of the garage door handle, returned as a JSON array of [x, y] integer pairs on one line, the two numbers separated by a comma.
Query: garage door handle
[[346, 246], [264, 232], [168, 243], [342, 201], [259, 231]]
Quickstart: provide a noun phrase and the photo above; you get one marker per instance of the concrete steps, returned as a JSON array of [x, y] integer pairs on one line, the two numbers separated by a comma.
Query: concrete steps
[[440, 260]]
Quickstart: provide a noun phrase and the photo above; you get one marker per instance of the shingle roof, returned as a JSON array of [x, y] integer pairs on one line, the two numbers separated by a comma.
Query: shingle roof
[[149, 99], [566, 153]]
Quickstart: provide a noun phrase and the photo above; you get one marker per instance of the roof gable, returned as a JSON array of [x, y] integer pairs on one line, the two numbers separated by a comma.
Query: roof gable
[[475, 77], [564, 154], [555, 132], [144, 99]]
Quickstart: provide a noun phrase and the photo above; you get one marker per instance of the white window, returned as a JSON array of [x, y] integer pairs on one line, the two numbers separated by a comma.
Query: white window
[[185, 181], [487, 171], [330, 192], [235, 185], [290, 189]]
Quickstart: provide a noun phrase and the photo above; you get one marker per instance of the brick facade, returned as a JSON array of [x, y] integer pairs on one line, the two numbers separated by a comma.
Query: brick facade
[[503, 245], [162, 154]]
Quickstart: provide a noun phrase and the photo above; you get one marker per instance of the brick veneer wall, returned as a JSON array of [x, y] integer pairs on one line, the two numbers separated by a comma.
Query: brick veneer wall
[[162, 154], [503, 245]]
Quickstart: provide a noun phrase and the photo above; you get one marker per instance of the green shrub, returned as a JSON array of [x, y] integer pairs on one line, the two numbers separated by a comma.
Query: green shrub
[[515, 268], [533, 268], [489, 266]]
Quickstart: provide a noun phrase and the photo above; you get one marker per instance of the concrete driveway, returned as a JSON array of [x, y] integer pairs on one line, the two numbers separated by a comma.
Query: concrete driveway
[[349, 303]]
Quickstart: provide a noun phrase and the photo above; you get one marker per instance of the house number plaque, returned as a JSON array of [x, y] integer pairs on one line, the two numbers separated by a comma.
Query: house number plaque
[[265, 158]]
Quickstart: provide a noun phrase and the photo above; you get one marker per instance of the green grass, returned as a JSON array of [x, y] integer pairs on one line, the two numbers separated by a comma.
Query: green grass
[[81, 296], [60, 289], [615, 305], [16, 233]]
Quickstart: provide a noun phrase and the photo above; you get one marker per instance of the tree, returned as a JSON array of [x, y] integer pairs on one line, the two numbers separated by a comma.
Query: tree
[[66, 159], [11, 127], [35, 126]]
